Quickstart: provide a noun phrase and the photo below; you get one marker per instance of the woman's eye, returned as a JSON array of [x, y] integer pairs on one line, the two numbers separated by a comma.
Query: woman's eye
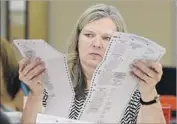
[[107, 38], [88, 35]]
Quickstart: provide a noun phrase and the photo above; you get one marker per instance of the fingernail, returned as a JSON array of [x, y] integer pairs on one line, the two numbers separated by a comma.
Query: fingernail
[[143, 61], [131, 66], [33, 58], [130, 73], [38, 59], [43, 64], [134, 62], [29, 59], [137, 62], [133, 69]]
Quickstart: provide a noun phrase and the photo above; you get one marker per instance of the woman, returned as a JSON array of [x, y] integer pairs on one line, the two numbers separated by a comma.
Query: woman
[[11, 95], [89, 41]]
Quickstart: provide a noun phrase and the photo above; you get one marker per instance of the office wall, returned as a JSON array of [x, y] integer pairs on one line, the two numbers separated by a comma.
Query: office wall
[[153, 19], [3, 19], [38, 20]]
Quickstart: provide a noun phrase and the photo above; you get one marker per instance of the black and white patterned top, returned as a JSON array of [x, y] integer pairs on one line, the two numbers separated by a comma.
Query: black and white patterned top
[[130, 114]]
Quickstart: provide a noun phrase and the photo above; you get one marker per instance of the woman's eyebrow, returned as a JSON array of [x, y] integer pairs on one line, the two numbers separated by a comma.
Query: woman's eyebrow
[[87, 30], [107, 34]]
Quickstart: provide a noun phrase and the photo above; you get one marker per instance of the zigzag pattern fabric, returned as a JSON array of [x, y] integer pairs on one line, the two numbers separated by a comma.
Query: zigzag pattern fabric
[[132, 110], [129, 117]]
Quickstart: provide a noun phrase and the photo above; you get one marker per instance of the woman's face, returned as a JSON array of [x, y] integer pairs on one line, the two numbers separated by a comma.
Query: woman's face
[[93, 41]]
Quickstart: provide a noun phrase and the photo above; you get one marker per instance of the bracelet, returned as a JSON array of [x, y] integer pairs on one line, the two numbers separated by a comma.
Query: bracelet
[[155, 100]]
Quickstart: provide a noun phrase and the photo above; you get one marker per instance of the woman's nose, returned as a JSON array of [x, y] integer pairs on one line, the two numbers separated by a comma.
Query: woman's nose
[[98, 42]]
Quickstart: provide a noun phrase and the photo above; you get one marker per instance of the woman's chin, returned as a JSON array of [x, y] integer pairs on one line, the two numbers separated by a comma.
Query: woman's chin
[[93, 63]]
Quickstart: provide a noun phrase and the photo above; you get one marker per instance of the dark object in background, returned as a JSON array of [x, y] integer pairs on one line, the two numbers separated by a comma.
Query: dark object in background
[[167, 85], [3, 118]]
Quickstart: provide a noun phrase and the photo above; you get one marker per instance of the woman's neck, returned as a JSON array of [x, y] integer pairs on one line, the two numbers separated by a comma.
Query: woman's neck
[[88, 84], [88, 71]]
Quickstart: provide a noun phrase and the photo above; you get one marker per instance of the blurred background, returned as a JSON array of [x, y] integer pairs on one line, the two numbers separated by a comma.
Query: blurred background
[[54, 20]]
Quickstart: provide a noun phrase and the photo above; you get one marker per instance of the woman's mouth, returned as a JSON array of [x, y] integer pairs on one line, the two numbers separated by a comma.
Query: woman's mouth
[[95, 55]]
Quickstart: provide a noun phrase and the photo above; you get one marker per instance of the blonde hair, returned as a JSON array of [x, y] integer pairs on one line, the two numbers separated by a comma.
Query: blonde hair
[[10, 82], [93, 13]]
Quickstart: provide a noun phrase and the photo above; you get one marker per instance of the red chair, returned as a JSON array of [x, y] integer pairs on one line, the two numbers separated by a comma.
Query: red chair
[[168, 105], [170, 100]]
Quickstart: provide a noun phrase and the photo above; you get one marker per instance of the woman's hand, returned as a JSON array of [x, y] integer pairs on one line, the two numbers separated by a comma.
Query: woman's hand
[[31, 71], [148, 74]]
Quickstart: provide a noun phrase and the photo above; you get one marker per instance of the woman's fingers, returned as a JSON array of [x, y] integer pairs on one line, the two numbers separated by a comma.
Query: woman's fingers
[[23, 63], [147, 71], [139, 74], [37, 79], [29, 68], [31, 72], [143, 67], [36, 71], [33, 63], [157, 67]]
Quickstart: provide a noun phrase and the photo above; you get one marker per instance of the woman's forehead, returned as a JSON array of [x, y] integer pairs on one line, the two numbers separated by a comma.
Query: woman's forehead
[[103, 32], [104, 26]]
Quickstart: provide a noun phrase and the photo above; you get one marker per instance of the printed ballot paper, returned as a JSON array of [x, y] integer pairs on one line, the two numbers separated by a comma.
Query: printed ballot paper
[[111, 85], [14, 118]]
